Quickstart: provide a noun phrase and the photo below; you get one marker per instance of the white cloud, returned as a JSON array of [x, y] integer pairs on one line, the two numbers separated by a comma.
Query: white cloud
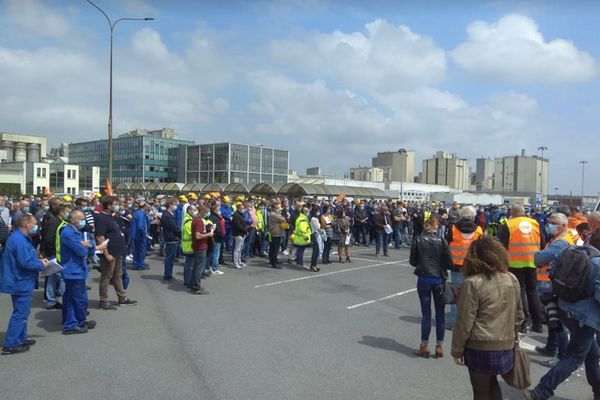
[[514, 50], [382, 59], [35, 17]]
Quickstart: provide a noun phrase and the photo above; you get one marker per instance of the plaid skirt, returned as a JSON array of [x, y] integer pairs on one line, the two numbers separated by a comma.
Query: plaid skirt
[[489, 362]]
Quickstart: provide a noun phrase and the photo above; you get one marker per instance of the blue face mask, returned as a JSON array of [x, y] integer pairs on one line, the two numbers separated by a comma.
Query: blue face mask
[[81, 224], [122, 212], [46, 208], [207, 215], [551, 229], [34, 229], [2, 209], [25, 209], [117, 208]]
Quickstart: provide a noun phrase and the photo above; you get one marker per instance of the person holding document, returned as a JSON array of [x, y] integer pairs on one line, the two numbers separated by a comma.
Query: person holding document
[[73, 252], [19, 272]]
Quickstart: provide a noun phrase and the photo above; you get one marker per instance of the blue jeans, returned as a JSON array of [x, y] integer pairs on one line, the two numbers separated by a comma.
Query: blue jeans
[[582, 348], [54, 281], [140, 246], [75, 304], [214, 262], [228, 237], [124, 274], [315, 250], [209, 255], [397, 236], [187, 270], [16, 333], [426, 291], [170, 254], [457, 278], [285, 239], [381, 240], [300, 254], [360, 235], [248, 243], [198, 268]]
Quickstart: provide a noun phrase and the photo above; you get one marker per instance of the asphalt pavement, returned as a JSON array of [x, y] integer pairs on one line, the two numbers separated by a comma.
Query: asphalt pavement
[[347, 332]]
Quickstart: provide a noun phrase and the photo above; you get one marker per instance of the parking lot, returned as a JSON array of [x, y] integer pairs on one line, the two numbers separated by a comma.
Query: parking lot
[[347, 332]]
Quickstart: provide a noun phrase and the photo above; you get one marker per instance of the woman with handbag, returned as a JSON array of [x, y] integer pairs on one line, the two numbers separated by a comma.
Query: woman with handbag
[[430, 255], [490, 313]]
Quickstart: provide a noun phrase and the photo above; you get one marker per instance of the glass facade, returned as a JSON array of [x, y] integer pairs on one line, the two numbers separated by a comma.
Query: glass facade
[[234, 163], [135, 159]]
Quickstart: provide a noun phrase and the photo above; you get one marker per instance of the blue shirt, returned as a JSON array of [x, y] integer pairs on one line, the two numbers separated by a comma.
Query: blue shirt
[[20, 265], [73, 254]]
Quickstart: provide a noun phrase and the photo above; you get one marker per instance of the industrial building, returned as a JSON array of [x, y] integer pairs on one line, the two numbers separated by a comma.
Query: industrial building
[[447, 169], [232, 163], [398, 166]]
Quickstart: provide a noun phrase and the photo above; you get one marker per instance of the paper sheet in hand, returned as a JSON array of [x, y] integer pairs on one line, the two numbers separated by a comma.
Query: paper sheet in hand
[[102, 251], [53, 267]]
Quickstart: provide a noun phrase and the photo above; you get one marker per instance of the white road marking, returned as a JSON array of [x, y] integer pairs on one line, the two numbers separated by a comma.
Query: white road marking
[[391, 296], [330, 273]]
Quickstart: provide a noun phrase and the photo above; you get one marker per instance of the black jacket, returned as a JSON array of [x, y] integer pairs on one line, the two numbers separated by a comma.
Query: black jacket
[[49, 225], [431, 256], [3, 232], [238, 224], [171, 232]]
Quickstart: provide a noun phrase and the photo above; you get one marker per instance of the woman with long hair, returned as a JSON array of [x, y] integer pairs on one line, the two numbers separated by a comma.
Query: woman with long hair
[[430, 255], [490, 313]]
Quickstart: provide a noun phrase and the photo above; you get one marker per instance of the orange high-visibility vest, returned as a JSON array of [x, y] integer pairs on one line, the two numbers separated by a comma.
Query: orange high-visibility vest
[[524, 241], [543, 273], [460, 244]]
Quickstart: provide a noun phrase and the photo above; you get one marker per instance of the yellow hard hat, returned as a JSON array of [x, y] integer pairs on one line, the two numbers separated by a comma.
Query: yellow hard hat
[[182, 198], [67, 198], [207, 197], [98, 195], [239, 203], [226, 199], [193, 196]]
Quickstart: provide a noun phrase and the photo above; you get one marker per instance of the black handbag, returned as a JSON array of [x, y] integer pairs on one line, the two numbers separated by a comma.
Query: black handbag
[[451, 293]]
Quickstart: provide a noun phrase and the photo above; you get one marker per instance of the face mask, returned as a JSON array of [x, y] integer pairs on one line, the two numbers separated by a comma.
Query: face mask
[[33, 230], [122, 212], [25, 209], [117, 208], [81, 224], [2, 209], [551, 229], [195, 213], [207, 215]]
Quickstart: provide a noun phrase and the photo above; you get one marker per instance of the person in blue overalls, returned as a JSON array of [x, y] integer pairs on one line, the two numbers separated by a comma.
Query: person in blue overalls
[[19, 271], [73, 253], [138, 236]]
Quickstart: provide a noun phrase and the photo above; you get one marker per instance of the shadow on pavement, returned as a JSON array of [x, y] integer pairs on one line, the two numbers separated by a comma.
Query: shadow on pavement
[[410, 318], [50, 321], [176, 286], [388, 344]]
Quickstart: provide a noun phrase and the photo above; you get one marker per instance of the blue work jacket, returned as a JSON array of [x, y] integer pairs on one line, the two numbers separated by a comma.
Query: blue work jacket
[[139, 225], [20, 265], [73, 254]]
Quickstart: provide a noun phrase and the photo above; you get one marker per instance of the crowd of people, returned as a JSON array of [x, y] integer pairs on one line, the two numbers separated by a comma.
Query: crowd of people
[[498, 260]]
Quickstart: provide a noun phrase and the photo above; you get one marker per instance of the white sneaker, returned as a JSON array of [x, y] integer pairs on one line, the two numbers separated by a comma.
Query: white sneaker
[[286, 253], [243, 265], [218, 272], [129, 258], [237, 267]]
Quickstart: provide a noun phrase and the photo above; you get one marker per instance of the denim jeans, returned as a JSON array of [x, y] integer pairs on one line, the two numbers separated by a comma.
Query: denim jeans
[[361, 234], [248, 243], [274, 250], [300, 254], [315, 250], [187, 270], [228, 237], [381, 240], [426, 291], [327, 250], [457, 278], [264, 241], [54, 281], [124, 274], [208, 259], [285, 239], [582, 348], [197, 269], [214, 262], [237, 250], [397, 236], [170, 254]]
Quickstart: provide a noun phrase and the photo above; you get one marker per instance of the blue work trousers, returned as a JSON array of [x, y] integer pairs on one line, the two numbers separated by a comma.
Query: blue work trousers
[[16, 333], [75, 304], [140, 246]]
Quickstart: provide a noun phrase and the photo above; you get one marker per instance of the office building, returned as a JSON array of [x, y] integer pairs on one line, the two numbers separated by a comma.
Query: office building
[[447, 169], [397, 166], [484, 175], [20, 148], [523, 174], [232, 163], [369, 174], [138, 156]]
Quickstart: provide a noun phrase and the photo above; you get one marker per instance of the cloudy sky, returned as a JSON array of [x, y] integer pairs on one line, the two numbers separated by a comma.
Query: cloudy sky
[[332, 81]]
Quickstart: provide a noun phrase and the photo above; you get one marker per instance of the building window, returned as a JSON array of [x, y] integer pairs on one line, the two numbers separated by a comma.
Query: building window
[[39, 173], [43, 172]]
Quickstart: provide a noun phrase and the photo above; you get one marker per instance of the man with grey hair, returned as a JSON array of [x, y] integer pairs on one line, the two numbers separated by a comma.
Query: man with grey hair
[[522, 238], [559, 238], [460, 235]]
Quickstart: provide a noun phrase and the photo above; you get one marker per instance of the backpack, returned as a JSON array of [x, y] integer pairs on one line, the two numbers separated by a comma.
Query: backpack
[[571, 275]]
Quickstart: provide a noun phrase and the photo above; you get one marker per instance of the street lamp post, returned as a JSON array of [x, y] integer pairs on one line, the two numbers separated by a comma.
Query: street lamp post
[[542, 149], [582, 162], [112, 25]]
